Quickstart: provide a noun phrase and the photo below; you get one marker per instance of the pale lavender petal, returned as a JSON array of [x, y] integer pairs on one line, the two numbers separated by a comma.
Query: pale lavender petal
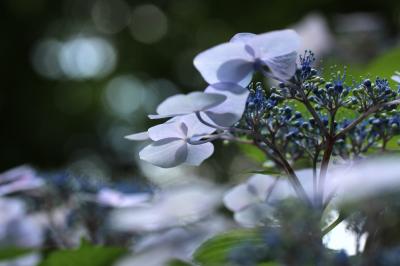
[[165, 153], [231, 110], [185, 104], [277, 49], [169, 129], [243, 37], [282, 67], [195, 127], [198, 153], [275, 43], [228, 62], [139, 136]]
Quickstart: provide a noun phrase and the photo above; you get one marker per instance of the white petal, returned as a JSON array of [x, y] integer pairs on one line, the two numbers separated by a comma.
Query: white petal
[[228, 62], [239, 198], [198, 153], [231, 110], [396, 78], [165, 153], [243, 37], [139, 136], [185, 104], [275, 43], [169, 129]]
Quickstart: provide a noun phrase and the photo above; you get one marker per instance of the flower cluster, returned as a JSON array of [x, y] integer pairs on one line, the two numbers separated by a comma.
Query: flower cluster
[[306, 117], [200, 117]]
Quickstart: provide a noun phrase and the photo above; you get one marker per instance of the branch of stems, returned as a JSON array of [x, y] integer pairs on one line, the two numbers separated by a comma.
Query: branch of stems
[[370, 111], [330, 142], [294, 180], [324, 167], [315, 182], [304, 97], [313, 113]]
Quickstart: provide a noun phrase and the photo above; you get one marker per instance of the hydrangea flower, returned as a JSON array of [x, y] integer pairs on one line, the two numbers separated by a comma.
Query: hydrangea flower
[[17, 228], [237, 60], [174, 142]]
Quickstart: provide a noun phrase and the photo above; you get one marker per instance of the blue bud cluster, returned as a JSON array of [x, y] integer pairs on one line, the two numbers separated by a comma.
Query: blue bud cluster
[[306, 69], [368, 94], [357, 141], [274, 114], [374, 132], [332, 95]]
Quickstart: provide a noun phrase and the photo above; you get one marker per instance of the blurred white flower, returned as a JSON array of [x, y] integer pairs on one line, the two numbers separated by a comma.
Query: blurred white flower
[[367, 178], [172, 207], [31, 259], [116, 199], [253, 201], [17, 228], [19, 179], [157, 249], [308, 28], [396, 77]]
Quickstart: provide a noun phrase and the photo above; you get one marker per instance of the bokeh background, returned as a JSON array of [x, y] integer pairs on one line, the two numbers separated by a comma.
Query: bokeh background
[[79, 75]]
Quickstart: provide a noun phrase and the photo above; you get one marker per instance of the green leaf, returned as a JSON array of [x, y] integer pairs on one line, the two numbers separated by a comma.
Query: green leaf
[[215, 251], [10, 253], [86, 255]]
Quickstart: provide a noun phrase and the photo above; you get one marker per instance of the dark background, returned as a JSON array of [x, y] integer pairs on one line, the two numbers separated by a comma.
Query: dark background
[[53, 120]]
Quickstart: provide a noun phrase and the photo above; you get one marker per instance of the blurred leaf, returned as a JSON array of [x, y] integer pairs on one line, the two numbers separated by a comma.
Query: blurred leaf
[[10, 253], [86, 255], [385, 65], [215, 251], [252, 152], [177, 262], [267, 171]]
